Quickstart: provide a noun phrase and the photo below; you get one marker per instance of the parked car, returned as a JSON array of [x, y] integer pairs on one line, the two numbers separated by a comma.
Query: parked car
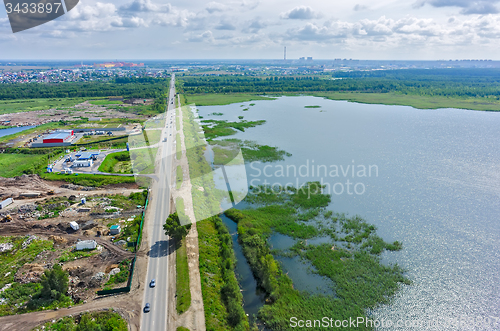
[[147, 308]]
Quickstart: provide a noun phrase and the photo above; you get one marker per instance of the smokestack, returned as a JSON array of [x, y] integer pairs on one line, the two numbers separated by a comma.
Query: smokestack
[[284, 55]]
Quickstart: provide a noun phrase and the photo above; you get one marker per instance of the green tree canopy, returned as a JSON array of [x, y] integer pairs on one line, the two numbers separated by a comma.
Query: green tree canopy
[[173, 227], [54, 283]]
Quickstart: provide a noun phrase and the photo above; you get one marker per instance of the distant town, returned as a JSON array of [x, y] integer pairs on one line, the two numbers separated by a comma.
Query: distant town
[[78, 71]]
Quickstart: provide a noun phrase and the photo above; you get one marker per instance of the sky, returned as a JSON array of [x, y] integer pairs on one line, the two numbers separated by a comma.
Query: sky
[[253, 29]]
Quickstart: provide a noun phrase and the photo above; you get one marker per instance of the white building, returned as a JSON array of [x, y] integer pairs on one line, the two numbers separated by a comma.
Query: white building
[[74, 225], [86, 244], [82, 163]]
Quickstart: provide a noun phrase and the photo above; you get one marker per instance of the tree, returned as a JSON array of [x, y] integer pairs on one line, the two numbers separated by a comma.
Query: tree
[[173, 227], [54, 283]]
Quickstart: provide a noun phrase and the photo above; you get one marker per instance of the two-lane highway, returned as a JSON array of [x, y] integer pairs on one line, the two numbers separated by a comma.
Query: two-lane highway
[[160, 247]]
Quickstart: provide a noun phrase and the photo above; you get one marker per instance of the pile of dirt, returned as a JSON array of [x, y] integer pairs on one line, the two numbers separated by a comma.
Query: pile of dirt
[[13, 187], [58, 240], [29, 273]]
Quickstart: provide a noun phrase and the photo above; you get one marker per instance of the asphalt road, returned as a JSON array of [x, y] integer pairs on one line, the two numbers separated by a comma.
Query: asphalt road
[[160, 246]]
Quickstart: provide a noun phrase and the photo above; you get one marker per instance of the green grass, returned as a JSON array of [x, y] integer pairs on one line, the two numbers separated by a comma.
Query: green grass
[[12, 165], [115, 163], [183, 292], [213, 99], [19, 295], [227, 149], [178, 146], [179, 177], [416, 101], [312, 106], [215, 128], [181, 328], [205, 203], [222, 299], [70, 255], [23, 105], [177, 123], [354, 266], [104, 102], [143, 160], [122, 276], [89, 180], [180, 208], [100, 320]]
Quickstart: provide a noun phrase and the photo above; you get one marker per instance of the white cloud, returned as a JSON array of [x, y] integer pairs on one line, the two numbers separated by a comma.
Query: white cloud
[[146, 6], [206, 36], [213, 7], [300, 13]]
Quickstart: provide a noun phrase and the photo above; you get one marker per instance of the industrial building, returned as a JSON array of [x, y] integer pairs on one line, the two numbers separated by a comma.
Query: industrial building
[[62, 136], [82, 163], [87, 155]]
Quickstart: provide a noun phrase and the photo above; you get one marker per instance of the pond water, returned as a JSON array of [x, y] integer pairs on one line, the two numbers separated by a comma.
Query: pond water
[[6, 132], [427, 178]]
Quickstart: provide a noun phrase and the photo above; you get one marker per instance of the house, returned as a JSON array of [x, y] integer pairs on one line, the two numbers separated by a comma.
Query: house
[[74, 225], [115, 229]]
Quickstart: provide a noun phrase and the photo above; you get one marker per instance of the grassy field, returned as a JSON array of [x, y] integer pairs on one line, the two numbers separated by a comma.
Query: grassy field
[[22, 105], [104, 102], [179, 177], [117, 163], [416, 101], [178, 146], [12, 165], [212, 99], [89, 180], [143, 160], [222, 298], [100, 320], [183, 292], [177, 123]]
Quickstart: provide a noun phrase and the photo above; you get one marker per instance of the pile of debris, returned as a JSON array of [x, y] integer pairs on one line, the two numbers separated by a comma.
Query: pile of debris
[[77, 187], [28, 241], [4, 247], [29, 273]]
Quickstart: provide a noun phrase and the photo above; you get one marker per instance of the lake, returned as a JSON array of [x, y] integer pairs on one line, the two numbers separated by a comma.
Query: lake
[[427, 178], [6, 132]]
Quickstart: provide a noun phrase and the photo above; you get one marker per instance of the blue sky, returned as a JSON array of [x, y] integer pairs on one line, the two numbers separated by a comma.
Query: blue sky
[[253, 29]]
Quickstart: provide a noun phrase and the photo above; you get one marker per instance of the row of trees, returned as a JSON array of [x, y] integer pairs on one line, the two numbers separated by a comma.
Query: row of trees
[[133, 89], [442, 82]]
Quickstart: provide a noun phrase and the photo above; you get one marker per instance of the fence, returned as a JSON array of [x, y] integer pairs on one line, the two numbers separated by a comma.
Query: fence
[[126, 289]]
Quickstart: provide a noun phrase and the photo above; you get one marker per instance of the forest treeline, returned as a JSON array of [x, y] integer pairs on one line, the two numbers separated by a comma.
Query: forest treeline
[[432, 82], [126, 87]]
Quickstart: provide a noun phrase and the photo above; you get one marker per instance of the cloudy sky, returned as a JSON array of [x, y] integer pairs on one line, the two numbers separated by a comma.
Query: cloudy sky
[[255, 29]]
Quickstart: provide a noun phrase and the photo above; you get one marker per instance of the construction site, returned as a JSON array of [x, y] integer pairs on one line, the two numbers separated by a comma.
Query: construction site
[[91, 232]]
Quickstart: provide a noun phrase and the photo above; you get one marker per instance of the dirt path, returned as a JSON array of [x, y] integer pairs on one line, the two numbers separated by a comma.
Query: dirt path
[[194, 317]]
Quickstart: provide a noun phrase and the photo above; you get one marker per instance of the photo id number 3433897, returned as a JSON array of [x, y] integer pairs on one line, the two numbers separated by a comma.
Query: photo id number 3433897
[[32, 8]]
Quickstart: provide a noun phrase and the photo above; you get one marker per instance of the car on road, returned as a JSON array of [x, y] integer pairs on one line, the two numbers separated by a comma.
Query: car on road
[[152, 283], [147, 308]]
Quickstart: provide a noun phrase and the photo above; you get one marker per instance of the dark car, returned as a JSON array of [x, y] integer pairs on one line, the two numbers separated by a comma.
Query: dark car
[[152, 283], [147, 308]]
